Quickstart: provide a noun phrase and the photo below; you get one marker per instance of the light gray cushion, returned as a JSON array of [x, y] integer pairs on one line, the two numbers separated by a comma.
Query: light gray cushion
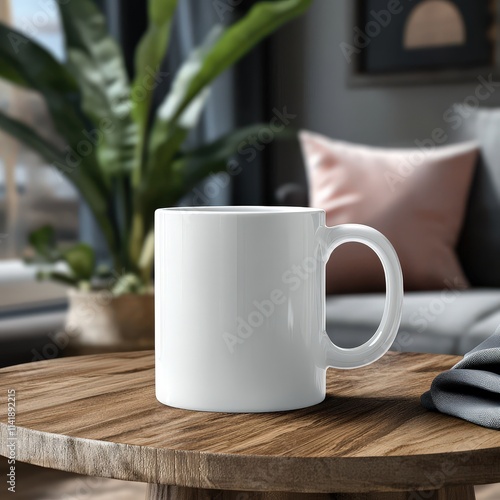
[[443, 322], [479, 245]]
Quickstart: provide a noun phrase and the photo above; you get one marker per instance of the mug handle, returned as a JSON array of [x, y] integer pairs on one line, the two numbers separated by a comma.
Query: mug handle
[[329, 239]]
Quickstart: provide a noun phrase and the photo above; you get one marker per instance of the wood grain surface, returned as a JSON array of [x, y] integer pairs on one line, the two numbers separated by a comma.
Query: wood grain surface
[[97, 415]]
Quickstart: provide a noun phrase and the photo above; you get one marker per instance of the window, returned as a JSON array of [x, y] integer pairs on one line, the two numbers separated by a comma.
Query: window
[[32, 193]]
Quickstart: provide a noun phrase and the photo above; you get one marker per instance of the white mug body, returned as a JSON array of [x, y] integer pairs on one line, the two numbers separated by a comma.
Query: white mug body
[[240, 308]]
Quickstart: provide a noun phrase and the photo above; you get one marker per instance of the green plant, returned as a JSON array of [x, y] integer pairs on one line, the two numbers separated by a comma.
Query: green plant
[[138, 163]]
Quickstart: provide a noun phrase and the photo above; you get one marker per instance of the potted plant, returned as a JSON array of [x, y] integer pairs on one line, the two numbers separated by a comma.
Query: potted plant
[[124, 160]]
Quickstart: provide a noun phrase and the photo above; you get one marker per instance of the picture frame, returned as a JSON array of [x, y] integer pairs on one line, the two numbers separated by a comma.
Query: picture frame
[[396, 42]]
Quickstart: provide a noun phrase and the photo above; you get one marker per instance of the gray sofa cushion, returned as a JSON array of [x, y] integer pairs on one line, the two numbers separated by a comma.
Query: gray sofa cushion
[[443, 322], [479, 246]]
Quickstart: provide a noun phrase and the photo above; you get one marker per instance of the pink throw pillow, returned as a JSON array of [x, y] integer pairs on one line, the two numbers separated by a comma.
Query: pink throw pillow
[[416, 199]]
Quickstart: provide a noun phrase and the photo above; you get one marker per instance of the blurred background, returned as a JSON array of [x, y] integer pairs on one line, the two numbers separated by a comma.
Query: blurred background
[[338, 70], [335, 68]]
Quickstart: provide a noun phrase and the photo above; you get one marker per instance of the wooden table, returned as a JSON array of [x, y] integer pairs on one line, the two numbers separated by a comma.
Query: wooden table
[[370, 439]]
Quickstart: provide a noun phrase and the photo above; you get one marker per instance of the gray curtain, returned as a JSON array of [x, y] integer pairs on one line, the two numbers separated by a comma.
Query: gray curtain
[[194, 20]]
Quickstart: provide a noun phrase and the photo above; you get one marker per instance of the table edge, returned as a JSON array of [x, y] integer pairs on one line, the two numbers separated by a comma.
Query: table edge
[[325, 474]]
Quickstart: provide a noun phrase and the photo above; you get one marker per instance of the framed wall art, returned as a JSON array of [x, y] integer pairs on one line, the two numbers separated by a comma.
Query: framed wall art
[[422, 41]]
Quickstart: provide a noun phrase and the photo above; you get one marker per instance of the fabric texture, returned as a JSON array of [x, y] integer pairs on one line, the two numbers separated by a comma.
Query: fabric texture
[[439, 321], [471, 389], [416, 199]]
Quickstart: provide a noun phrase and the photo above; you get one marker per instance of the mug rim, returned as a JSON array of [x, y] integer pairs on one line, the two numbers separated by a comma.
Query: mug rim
[[241, 210]]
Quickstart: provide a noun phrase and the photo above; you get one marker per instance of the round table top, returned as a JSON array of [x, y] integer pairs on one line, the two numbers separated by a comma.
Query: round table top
[[98, 415]]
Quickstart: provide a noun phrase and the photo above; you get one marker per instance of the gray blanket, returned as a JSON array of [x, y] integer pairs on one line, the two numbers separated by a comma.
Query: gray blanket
[[471, 389]]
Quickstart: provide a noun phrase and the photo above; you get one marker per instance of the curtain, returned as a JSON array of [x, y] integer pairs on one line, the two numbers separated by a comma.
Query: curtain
[[238, 98], [194, 20]]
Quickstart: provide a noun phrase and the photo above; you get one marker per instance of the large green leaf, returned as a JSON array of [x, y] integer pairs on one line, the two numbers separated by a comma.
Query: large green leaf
[[262, 20], [54, 156], [28, 136], [96, 61], [148, 58], [181, 109], [166, 139], [9, 72], [41, 72], [150, 54], [23, 60], [91, 193]]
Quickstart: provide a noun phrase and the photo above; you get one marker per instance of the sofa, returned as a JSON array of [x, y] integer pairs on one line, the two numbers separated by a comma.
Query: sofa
[[448, 320]]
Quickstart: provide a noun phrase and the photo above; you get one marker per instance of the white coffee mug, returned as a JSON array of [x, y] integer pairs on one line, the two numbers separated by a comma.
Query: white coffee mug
[[240, 307]]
